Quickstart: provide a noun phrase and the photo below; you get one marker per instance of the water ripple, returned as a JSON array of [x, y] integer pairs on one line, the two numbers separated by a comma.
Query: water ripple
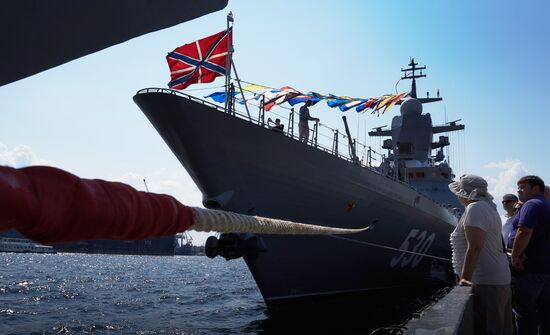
[[112, 294]]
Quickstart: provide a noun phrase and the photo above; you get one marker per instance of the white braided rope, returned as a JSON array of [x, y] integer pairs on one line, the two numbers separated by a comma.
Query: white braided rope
[[227, 222]]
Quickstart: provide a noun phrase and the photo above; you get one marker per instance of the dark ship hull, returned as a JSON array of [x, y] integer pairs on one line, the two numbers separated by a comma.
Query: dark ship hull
[[245, 168]]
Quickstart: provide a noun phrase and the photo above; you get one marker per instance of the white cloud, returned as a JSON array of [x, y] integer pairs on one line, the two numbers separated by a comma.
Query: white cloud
[[20, 156], [175, 183], [504, 177]]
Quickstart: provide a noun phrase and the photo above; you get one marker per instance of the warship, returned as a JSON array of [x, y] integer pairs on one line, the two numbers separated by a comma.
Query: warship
[[241, 165]]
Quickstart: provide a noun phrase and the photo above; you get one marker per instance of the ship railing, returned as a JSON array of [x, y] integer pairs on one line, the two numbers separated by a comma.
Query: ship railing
[[190, 97], [329, 140], [335, 144], [322, 137]]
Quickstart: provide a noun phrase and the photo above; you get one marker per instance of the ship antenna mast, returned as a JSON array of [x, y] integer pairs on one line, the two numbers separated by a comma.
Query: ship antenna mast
[[145, 183], [413, 67]]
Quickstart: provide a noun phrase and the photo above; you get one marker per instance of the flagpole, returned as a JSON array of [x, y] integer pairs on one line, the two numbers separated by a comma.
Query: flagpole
[[228, 62]]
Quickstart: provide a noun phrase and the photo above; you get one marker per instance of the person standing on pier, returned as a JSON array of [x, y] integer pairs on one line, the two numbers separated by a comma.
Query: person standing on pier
[[478, 256], [509, 202], [514, 225], [303, 125], [531, 258]]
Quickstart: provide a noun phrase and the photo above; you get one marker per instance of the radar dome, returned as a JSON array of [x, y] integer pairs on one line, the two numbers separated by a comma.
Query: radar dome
[[411, 106]]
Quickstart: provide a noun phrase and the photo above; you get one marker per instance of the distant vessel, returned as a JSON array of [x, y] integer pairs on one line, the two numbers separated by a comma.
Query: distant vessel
[[185, 247], [155, 246], [159, 246], [241, 166], [12, 244]]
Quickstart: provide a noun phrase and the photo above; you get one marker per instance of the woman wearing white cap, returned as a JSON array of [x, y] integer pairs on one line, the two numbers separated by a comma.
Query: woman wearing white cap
[[478, 256]]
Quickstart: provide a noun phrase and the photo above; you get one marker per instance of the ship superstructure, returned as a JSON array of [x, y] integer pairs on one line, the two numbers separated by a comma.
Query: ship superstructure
[[411, 144]]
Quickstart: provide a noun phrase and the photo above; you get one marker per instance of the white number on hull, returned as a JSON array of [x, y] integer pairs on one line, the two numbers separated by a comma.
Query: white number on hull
[[413, 252]]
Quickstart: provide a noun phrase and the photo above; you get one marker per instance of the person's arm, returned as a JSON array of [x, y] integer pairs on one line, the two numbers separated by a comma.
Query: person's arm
[[307, 116], [523, 236], [476, 239]]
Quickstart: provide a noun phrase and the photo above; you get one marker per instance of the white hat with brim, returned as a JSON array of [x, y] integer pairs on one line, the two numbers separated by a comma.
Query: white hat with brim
[[470, 187]]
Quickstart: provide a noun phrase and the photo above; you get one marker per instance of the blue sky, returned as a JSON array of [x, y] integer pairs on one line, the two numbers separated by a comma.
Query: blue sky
[[487, 58]]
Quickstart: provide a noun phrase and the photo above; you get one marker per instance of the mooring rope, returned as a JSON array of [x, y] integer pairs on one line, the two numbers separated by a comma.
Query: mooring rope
[[228, 222], [225, 222], [390, 248]]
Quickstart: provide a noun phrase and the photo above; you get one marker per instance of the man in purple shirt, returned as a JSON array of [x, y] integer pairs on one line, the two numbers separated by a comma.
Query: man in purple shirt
[[531, 257]]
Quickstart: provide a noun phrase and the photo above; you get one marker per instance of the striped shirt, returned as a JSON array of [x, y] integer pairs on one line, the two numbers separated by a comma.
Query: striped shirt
[[492, 267]]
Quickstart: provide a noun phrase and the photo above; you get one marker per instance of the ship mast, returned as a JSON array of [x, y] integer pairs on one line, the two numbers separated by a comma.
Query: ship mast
[[411, 73]]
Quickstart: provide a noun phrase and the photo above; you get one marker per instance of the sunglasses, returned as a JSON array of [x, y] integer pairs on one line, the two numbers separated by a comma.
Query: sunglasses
[[507, 201]]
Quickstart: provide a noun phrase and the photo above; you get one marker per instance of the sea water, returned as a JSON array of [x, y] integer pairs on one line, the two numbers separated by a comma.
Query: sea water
[[123, 294]]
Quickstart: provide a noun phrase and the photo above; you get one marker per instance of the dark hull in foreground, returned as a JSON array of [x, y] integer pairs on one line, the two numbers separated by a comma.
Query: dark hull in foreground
[[243, 167]]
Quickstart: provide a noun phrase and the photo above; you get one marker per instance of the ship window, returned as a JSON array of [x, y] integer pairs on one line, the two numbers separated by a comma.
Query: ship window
[[405, 148], [420, 175]]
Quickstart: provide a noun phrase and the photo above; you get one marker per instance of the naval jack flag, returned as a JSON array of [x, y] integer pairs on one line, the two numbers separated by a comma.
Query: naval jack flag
[[200, 61]]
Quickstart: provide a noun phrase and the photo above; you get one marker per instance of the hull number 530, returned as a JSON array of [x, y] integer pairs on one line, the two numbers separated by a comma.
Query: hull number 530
[[415, 245]]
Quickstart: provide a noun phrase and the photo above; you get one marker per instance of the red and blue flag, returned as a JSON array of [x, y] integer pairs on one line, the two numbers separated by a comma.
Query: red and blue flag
[[200, 61], [303, 98]]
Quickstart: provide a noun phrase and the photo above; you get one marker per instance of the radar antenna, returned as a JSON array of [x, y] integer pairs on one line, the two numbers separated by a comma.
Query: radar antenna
[[411, 73], [413, 67]]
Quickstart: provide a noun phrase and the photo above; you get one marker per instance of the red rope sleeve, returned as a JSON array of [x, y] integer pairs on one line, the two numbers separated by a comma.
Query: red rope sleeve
[[50, 205]]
